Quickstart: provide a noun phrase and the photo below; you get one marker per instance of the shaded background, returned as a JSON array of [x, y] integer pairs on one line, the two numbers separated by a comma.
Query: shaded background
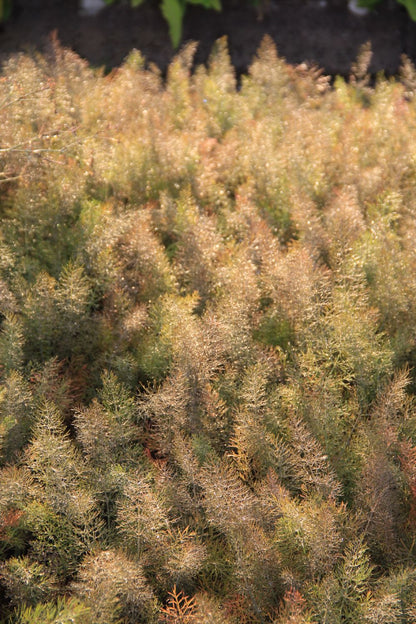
[[304, 30]]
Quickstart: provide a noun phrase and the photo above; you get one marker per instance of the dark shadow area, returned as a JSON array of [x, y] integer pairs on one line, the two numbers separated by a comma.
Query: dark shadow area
[[304, 30]]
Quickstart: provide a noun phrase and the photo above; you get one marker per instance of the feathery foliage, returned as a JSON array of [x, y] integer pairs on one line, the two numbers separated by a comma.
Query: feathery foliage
[[207, 343]]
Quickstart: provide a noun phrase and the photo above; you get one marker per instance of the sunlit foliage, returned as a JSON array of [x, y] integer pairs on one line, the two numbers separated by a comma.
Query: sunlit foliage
[[207, 343]]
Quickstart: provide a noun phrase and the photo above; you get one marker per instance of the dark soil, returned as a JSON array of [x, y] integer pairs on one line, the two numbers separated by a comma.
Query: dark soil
[[303, 30]]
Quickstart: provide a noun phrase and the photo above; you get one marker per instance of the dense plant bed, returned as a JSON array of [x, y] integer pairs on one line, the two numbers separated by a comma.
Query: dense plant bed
[[207, 348]]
